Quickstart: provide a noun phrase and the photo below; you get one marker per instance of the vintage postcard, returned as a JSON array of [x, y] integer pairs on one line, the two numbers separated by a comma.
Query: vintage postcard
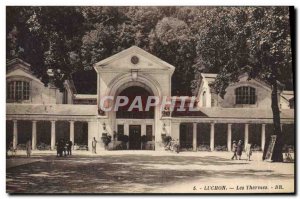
[[147, 100]]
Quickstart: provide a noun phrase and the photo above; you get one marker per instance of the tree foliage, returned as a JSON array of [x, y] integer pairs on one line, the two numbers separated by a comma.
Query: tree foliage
[[255, 41], [193, 39], [228, 41]]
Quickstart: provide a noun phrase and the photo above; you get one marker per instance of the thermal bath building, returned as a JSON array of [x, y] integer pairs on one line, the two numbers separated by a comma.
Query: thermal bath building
[[45, 114]]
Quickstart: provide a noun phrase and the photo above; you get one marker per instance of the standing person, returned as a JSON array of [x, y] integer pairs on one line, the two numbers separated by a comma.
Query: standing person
[[65, 147], [248, 151], [12, 149], [70, 144], [234, 150], [239, 149], [177, 146], [94, 143], [61, 147], [28, 148], [57, 149]]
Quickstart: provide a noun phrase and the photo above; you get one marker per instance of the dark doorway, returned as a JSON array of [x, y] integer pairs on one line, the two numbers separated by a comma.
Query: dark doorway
[[24, 133], [186, 136], [135, 137], [80, 133], [43, 132], [238, 132]]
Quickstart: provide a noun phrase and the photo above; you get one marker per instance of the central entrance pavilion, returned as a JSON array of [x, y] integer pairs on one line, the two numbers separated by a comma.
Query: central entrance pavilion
[[137, 123], [133, 72]]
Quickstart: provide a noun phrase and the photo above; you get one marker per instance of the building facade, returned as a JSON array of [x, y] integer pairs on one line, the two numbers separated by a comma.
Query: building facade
[[45, 115]]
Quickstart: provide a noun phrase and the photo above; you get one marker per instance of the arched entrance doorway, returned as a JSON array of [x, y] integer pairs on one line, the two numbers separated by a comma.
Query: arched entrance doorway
[[136, 123]]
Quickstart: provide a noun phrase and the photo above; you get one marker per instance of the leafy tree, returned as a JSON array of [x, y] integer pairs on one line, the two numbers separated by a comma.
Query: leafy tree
[[23, 43], [61, 28], [70, 39], [271, 56], [50, 38], [172, 42], [252, 40]]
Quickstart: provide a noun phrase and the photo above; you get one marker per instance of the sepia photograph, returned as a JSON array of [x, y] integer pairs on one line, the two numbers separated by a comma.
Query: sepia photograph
[[150, 100]]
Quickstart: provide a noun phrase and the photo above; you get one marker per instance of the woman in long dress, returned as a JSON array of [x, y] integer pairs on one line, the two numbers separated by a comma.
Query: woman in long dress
[[28, 148], [239, 149]]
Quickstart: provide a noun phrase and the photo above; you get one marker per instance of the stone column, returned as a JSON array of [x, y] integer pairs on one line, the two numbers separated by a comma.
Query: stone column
[[212, 136], [94, 129], [52, 135], [72, 131], [194, 136], [229, 137], [263, 136], [126, 132], [33, 142], [15, 134], [126, 129], [246, 135]]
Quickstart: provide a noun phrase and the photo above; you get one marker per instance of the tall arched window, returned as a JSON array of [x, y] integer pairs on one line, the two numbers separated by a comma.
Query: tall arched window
[[17, 90], [245, 95], [204, 99]]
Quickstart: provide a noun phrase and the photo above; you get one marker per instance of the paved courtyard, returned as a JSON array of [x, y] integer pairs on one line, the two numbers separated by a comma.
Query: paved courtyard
[[146, 172]]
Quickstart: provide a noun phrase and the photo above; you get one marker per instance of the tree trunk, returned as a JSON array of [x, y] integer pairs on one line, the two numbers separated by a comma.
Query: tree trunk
[[277, 153]]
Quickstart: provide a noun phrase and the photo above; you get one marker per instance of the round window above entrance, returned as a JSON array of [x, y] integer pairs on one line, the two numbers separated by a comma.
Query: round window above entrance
[[134, 59]]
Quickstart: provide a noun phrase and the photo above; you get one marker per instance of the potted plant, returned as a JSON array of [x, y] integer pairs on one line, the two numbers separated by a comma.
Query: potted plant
[[166, 141], [106, 139]]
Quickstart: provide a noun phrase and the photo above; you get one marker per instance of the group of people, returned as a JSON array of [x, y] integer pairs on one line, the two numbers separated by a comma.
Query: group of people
[[237, 149], [64, 147]]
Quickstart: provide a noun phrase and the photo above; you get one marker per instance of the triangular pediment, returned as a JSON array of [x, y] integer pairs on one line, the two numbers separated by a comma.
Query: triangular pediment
[[133, 58], [17, 68], [17, 63], [242, 79]]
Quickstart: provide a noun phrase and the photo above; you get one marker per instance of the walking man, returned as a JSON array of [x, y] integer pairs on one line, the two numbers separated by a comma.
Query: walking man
[[57, 148], [176, 146], [61, 147], [70, 144], [94, 143], [234, 149]]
